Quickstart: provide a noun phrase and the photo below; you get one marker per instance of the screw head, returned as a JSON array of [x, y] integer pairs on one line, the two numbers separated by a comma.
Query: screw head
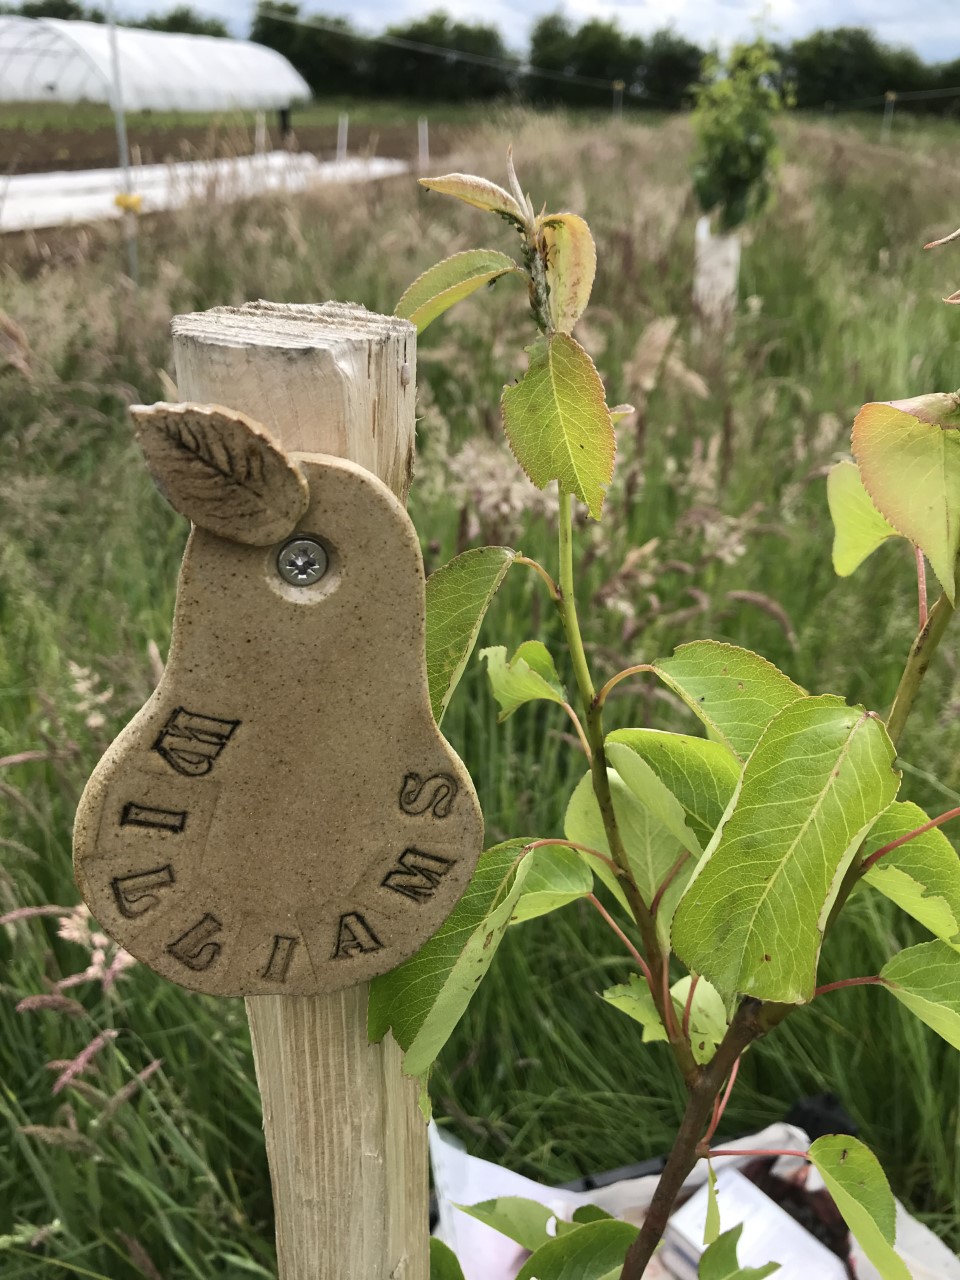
[[302, 561]]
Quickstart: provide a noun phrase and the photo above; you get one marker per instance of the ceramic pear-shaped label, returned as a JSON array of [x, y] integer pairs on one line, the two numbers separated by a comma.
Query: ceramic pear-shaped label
[[283, 815]]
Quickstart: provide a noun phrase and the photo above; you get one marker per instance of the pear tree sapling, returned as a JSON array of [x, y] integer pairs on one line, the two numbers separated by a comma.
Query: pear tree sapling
[[724, 859]]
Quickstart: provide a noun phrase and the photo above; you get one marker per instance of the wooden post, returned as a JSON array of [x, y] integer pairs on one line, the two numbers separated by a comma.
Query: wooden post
[[283, 819], [343, 127], [618, 88], [423, 144], [889, 105], [345, 1140]]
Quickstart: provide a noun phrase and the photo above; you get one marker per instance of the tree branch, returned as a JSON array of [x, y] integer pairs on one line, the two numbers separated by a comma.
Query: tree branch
[[744, 1028]]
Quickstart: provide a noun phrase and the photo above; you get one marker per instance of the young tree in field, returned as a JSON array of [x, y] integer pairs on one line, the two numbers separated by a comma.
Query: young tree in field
[[733, 123]]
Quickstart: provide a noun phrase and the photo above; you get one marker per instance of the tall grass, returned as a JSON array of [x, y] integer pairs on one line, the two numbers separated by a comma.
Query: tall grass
[[721, 487]]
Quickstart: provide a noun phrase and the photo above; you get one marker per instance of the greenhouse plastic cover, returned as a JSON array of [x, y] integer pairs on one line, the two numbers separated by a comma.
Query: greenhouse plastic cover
[[52, 60]]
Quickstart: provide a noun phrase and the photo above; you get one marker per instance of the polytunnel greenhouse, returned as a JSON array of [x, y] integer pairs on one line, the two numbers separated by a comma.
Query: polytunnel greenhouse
[[52, 60]]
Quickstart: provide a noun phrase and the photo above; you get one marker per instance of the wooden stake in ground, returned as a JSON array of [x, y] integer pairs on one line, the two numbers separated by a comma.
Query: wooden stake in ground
[[283, 820]]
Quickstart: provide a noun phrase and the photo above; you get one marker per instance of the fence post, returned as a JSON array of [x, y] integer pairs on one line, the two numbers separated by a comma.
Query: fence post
[[423, 144], [618, 87], [343, 125], [889, 104], [345, 1139], [120, 121]]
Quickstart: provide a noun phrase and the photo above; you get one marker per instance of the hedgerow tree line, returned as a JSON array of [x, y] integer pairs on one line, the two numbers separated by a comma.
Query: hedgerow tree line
[[841, 66], [180, 18]]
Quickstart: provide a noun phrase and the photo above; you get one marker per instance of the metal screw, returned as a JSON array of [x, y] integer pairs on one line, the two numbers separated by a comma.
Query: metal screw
[[302, 561]]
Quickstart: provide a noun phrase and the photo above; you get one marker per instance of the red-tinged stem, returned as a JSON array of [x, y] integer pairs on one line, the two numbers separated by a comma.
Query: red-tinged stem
[[759, 1151], [874, 981], [593, 724], [721, 1106], [640, 962], [714, 1121], [702, 1091], [688, 1007], [918, 660], [580, 848], [670, 1015], [921, 587], [877, 854], [579, 728], [621, 675], [670, 877], [538, 568]]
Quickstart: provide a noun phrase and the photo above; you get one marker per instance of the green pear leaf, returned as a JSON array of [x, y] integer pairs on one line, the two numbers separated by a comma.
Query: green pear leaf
[[571, 267], [703, 775], [583, 1214], [480, 192], [594, 1251], [645, 784], [753, 915], [719, 1262], [583, 824], [852, 1175], [449, 281], [528, 676], [858, 527], [443, 1262], [922, 876], [515, 1217], [634, 999], [458, 596], [711, 1226], [735, 693], [554, 877], [652, 849], [708, 1017], [423, 999], [557, 421], [926, 978], [708, 1021], [911, 470]]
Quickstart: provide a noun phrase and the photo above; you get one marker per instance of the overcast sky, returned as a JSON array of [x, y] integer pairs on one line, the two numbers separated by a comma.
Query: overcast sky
[[932, 27]]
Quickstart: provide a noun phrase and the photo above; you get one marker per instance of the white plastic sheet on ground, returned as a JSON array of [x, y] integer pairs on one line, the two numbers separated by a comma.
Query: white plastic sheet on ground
[[486, 1255], [35, 200]]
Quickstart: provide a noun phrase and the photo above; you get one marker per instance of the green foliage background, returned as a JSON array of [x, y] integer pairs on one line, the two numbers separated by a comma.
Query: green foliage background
[[828, 68]]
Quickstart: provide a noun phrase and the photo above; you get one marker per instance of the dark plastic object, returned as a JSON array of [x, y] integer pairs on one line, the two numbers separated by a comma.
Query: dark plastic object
[[822, 1113]]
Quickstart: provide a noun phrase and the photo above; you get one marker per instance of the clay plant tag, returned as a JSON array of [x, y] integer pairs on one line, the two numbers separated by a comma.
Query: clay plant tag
[[283, 815]]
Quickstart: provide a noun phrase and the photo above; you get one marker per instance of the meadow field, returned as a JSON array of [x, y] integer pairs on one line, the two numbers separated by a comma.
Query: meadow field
[[149, 1164]]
